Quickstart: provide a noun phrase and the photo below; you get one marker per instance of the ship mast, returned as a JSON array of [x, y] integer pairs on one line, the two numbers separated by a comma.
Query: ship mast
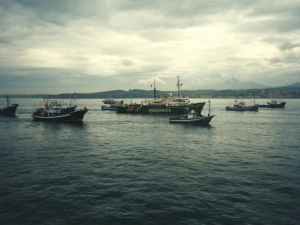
[[154, 91], [209, 107], [178, 86], [7, 100]]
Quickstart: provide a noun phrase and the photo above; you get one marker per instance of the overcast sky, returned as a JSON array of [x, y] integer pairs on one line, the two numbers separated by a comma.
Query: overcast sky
[[92, 46]]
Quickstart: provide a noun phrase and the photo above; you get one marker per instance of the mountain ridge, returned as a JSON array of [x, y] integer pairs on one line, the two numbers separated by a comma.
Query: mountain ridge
[[235, 84]]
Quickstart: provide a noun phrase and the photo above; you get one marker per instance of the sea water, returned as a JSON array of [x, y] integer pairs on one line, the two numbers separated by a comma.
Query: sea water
[[243, 168]]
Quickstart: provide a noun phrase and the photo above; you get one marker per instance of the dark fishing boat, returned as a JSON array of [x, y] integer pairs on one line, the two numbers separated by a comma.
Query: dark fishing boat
[[192, 117], [54, 111], [240, 106], [10, 109], [274, 104], [167, 105]]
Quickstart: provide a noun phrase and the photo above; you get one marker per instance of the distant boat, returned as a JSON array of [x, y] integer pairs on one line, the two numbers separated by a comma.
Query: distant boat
[[192, 118], [109, 101], [111, 107], [53, 111], [274, 104], [240, 106], [167, 105], [10, 109]]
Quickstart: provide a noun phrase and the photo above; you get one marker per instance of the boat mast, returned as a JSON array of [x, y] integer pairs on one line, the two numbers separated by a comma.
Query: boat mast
[[209, 107], [178, 86], [7, 100], [154, 91]]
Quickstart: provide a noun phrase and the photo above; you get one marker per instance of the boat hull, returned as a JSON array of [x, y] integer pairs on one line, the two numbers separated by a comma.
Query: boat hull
[[196, 120], [243, 109], [163, 109], [70, 117], [280, 105], [108, 108], [9, 111]]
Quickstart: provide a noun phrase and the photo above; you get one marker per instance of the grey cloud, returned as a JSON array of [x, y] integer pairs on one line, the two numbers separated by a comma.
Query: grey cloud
[[127, 62], [121, 41], [288, 46]]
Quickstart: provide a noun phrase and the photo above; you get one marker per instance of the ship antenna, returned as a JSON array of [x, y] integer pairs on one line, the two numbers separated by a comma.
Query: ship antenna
[[154, 91], [178, 85], [7, 100], [70, 101], [209, 107]]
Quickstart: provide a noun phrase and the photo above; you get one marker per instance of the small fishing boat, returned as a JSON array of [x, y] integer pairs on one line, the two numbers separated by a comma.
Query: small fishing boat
[[192, 117], [240, 106], [111, 107], [108, 101], [53, 111], [274, 104], [10, 109]]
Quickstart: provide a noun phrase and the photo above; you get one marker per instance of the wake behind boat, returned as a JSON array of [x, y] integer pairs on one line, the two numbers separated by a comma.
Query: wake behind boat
[[10, 109]]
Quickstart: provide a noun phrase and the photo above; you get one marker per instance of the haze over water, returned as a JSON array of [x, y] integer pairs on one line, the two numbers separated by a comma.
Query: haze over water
[[114, 168]]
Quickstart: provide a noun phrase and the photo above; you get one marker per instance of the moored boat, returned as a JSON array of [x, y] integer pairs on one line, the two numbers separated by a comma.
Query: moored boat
[[167, 105], [274, 104], [109, 101], [240, 106], [53, 111], [10, 109], [192, 117], [111, 107]]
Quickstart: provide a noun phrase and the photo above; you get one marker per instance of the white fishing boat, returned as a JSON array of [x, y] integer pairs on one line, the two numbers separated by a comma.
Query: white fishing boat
[[193, 117]]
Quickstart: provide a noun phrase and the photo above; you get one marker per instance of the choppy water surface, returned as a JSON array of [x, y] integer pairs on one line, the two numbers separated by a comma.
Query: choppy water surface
[[244, 168]]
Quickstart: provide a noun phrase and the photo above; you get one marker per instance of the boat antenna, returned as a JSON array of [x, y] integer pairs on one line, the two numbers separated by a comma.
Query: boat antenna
[[154, 90], [209, 107], [178, 86], [74, 94], [7, 100]]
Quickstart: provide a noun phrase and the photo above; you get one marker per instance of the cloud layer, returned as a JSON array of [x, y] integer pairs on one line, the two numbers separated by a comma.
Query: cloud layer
[[89, 46]]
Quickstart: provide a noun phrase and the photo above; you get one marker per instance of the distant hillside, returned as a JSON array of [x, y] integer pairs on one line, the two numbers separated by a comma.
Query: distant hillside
[[293, 85], [231, 84]]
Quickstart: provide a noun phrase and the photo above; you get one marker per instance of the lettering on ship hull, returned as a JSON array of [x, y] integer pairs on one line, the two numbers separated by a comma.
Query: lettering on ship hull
[[159, 110]]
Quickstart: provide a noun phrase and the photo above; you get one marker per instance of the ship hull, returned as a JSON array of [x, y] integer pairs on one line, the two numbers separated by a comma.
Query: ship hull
[[108, 108], [195, 120], [280, 105], [9, 111], [243, 109], [70, 117], [163, 109]]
